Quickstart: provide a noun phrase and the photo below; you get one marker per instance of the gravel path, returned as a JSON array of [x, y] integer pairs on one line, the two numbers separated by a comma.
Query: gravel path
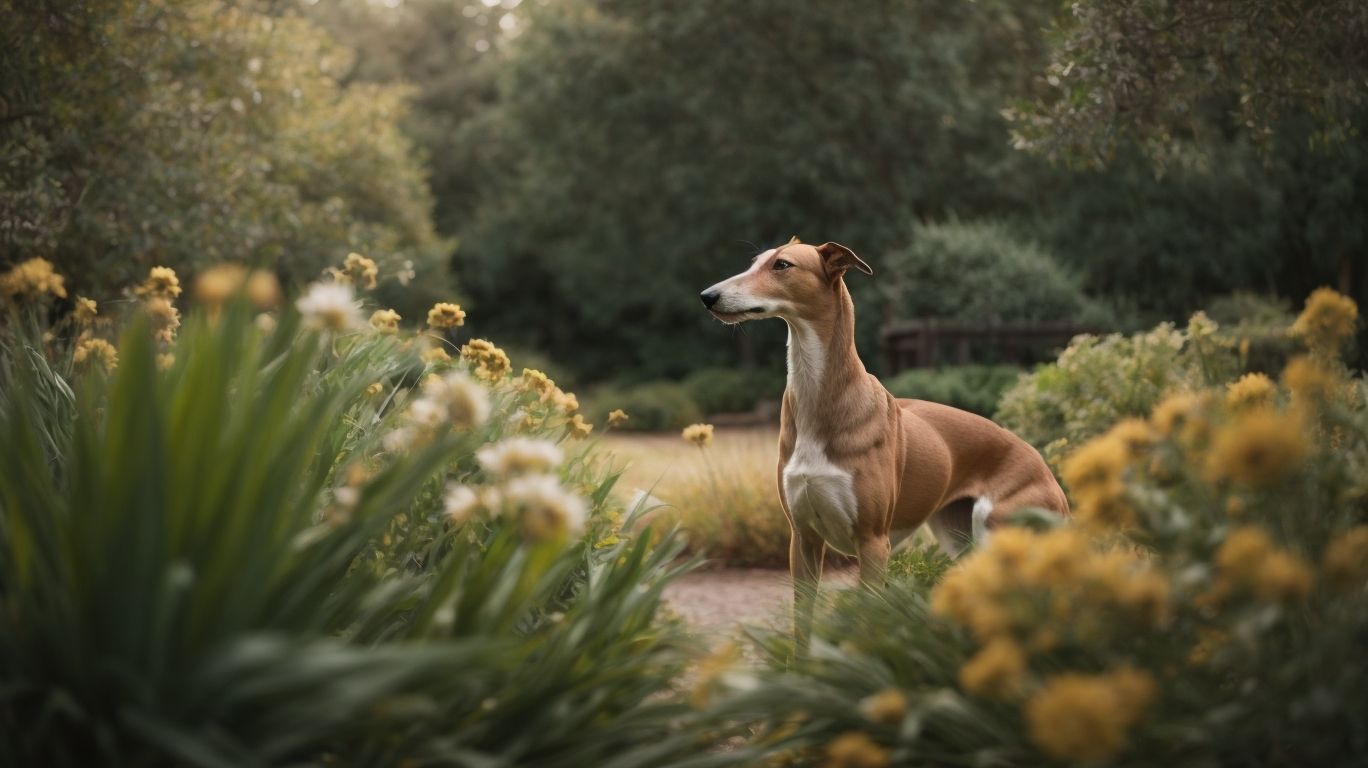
[[717, 602]]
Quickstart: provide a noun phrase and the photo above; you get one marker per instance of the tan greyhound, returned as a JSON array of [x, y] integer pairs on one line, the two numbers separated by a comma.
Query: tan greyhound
[[859, 469]]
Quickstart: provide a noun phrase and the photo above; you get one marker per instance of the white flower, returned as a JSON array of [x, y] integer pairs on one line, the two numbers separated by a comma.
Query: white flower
[[545, 507], [265, 322], [426, 413], [330, 307], [347, 496], [460, 502], [462, 399], [398, 440], [519, 455]]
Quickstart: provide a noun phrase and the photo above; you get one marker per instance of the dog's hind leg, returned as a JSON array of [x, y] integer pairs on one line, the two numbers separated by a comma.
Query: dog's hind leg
[[874, 560]]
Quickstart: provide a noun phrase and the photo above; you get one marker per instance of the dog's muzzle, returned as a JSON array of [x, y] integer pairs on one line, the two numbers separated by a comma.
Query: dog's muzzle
[[710, 297]]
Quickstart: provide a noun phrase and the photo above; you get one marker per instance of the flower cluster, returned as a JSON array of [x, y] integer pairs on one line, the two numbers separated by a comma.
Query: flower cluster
[[699, 434], [1249, 561], [1088, 717], [357, 270], [1327, 322], [385, 321], [527, 490], [32, 279], [443, 316], [92, 349], [491, 364], [451, 402], [218, 284], [159, 292], [329, 307]]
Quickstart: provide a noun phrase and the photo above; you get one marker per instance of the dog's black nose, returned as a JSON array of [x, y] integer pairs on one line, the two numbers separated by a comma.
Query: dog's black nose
[[710, 297]]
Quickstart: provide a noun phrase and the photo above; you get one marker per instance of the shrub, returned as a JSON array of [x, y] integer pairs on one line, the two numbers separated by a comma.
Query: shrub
[[727, 390], [652, 407], [1208, 606], [245, 545], [975, 388], [982, 271]]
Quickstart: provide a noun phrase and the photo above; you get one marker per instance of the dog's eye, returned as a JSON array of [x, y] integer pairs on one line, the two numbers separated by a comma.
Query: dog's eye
[[781, 264]]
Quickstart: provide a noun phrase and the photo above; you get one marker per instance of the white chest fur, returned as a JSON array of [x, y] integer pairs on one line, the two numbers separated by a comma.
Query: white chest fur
[[820, 495]]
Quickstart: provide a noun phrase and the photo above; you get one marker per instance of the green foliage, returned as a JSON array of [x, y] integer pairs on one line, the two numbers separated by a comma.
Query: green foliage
[[729, 390], [1098, 381], [923, 563], [975, 388], [1156, 71], [141, 133], [982, 271], [653, 407], [187, 583]]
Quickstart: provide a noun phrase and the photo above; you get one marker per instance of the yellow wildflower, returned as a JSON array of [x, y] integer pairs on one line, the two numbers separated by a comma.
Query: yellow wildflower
[[996, 671], [698, 434], [435, 355], [1257, 449], [1248, 558], [85, 312], [1251, 391], [579, 428], [1088, 718], [374, 389], [263, 289], [444, 315], [1327, 322], [385, 321], [1180, 416], [855, 749], [491, 364], [1309, 381], [1093, 475], [356, 270], [1283, 577], [1243, 550], [165, 360], [161, 281], [534, 380], [617, 418], [164, 316], [887, 707], [1346, 558], [566, 401], [32, 279], [219, 283], [96, 349]]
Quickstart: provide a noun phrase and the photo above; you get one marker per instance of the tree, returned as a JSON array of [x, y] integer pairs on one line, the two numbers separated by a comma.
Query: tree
[[138, 133]]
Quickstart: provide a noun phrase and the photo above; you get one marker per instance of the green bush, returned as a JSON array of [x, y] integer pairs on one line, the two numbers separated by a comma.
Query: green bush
[[652, 407], [229, 559], [981, 271], [1098, 380], [728, 390], [975, 388]]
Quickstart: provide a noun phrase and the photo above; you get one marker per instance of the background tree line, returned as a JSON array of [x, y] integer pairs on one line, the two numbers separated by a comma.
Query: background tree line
[[583, 167]]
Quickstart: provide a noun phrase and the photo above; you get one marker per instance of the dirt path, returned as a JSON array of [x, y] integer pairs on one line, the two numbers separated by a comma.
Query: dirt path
[[717, 602]]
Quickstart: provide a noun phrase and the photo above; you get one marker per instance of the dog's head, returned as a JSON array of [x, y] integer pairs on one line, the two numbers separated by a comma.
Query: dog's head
[[794, 281]]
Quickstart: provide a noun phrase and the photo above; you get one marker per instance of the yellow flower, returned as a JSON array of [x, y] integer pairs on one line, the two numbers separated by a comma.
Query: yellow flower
[[96, 349], [1057, 558], [887, 707], [263, 289], [1088, 718], [617, 418], [1257, 449], [164, 316], [85, 312], [32, 279], [1346, 558], [356, 270], [217, 284], [1326, 322], [374, 389], [435, 355], [566, 401], [491, 364], [855, 749], [579, 428], [1283, 577], [1093, 475], [385, 321], [698, 434], [1251, 391], [1249, 559], [1180, 416], [444, 315], [534, 380], [165, 360], [1243, 550], [996, 671], [161, 281], [1309, 381]]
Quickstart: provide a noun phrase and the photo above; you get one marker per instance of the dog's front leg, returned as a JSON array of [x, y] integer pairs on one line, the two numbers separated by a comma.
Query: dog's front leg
[[874, 560], [807, 551]]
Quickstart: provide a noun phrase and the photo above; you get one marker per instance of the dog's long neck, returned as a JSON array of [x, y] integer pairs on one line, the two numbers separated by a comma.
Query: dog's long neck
[[825, 374]]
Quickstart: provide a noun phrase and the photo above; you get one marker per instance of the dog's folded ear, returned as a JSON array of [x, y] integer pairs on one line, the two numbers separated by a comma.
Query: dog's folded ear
[[839, 258]]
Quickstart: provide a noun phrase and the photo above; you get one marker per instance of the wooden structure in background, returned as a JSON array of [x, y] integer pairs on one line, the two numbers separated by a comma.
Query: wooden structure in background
[[926, 343]]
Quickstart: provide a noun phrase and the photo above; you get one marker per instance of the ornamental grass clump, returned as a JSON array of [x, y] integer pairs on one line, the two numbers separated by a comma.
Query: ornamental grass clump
[[1207, 604], [227, 560]]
